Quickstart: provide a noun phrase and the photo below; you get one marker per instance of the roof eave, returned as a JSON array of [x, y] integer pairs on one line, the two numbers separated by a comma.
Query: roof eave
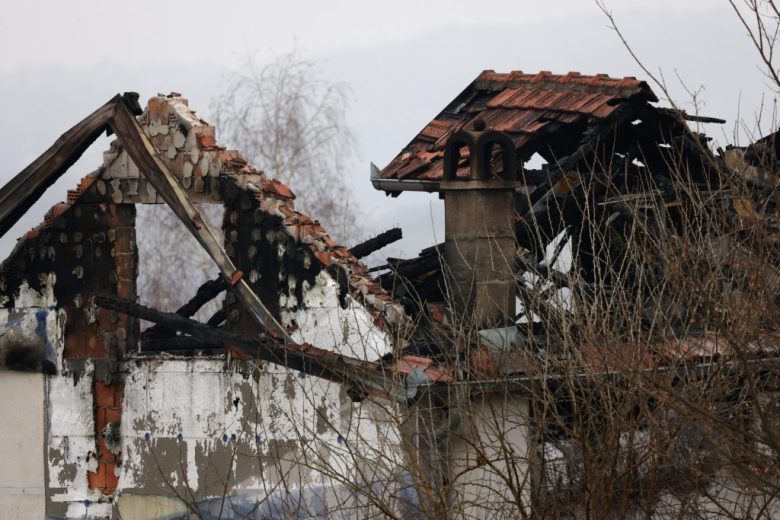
[[394, 186]]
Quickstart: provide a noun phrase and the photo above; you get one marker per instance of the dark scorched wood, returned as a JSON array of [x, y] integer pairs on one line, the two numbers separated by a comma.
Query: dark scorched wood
[[27, 186], [363, 376], [205, 293], [376, 243]]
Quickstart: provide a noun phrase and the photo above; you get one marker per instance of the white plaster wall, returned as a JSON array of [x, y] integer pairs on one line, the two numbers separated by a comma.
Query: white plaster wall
[[28, 297], [202, 404], [192, 402], [71, 444], [323, 323], [370, 429], [141, 507]]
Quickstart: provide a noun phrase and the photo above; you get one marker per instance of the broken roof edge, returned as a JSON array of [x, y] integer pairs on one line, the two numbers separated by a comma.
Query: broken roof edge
[[25, 188], [534, 102], [627, 86], [196, 155], [275, 197]]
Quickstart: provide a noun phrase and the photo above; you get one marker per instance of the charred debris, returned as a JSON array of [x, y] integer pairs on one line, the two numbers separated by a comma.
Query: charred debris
[[571, 165], [608, 191]]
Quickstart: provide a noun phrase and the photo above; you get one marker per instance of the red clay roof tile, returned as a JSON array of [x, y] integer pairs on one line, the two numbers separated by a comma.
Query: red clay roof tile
[[522, 105]]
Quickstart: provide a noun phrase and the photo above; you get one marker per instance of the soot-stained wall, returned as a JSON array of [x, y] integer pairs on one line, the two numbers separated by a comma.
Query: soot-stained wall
[[120, 423]]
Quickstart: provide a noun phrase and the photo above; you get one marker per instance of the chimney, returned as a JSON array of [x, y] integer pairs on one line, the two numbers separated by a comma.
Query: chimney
[[479, 213]]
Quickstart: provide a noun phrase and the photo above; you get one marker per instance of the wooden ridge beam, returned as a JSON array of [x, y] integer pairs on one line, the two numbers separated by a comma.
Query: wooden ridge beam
[[27, 186], [376, 243]]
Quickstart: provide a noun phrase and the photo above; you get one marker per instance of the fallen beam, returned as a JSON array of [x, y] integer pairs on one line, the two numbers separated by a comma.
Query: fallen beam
[[205, 293], [589, 142], [364, 249], [364, 377], [217, 319]]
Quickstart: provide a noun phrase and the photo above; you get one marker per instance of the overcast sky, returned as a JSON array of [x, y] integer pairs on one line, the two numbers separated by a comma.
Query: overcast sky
[[403, 60]]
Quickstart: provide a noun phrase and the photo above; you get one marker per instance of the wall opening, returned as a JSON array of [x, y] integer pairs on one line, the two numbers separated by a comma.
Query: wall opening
[[171, 263]]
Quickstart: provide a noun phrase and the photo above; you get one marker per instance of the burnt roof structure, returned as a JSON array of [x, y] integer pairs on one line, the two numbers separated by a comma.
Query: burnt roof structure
[[614, 162], [602, 138], [576, 123], [624, 182], [538, 111]]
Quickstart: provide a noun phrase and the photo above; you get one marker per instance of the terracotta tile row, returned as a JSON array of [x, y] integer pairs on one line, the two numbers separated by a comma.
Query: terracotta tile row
[[523, 105]]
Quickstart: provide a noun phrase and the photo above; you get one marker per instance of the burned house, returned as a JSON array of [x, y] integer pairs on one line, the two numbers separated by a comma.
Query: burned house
[[300, 393], [573, 126], [70, 312]]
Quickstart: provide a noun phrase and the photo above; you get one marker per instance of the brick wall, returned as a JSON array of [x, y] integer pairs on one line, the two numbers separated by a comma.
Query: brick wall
[[90, 249]]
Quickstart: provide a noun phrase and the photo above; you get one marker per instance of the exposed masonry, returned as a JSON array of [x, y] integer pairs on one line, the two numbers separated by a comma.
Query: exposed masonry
[[121, 422], [210, 173]]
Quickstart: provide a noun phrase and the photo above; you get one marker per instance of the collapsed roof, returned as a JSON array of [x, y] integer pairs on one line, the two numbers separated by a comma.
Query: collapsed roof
[[615, 164], [543, 113]]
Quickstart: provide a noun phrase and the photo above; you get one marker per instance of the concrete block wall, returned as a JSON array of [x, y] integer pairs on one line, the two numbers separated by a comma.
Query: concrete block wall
[[480, 252]]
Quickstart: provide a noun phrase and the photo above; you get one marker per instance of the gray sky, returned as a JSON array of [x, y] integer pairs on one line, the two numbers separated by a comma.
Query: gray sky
[[403, 60]]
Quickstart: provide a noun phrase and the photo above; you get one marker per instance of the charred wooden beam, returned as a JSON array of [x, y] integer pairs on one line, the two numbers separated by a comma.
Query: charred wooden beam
[[363, 377], [594, 135], [217, 319], [27, 186], [205, 293], [145, 156], [375, 244], [692, 117]]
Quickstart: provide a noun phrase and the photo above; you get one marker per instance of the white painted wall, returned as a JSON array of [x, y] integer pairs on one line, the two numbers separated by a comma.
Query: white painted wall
[[323, 323]]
